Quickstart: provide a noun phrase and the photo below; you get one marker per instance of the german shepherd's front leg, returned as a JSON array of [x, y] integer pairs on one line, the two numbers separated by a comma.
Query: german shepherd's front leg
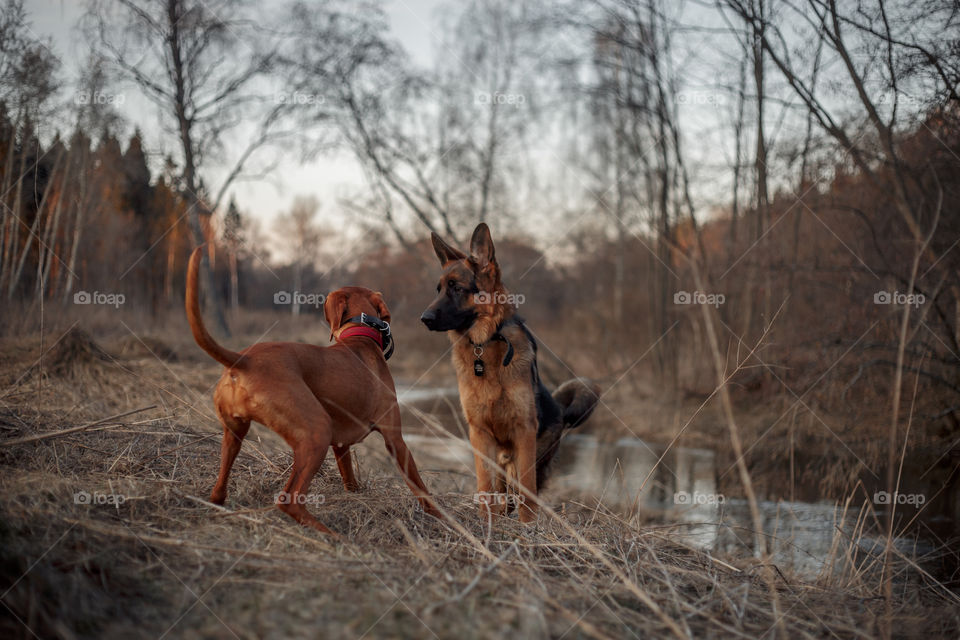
[[484, 456], [526, 447]]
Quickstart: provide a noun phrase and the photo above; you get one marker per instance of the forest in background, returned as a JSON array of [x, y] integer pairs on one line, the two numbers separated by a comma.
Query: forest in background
[[741, 218], [821, 237]]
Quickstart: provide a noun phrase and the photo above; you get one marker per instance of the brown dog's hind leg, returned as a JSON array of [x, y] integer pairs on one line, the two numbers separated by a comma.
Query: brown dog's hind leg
[[234, 431], [345, 464], [308, 455], [297, 416]]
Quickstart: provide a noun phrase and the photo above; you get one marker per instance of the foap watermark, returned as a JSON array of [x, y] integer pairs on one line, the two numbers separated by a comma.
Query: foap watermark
[[300, 298], [99, 297], [299, 498], [701, 98], [699, 297], [697, 498], [300, 98], [99, 98], [490, 497], [499, 297], [913, 499], [85, 497], [515, 100], [899, 299], [891, 98]]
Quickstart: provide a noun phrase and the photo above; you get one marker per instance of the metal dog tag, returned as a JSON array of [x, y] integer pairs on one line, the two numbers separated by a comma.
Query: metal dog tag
[[478, 367]]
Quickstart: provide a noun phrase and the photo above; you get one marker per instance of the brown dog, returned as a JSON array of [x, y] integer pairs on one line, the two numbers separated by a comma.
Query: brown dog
[[313, 397], [515, 424]]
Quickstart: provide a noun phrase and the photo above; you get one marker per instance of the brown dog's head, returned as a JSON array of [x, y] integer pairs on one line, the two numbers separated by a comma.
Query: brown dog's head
[[348, 302], [470, 289]]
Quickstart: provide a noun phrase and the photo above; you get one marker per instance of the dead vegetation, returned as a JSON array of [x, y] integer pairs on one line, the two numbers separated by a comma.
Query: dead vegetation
[[106, 533]]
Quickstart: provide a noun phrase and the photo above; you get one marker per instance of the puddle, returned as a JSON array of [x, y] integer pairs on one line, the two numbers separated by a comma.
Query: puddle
[[625, 476], [409, 395]]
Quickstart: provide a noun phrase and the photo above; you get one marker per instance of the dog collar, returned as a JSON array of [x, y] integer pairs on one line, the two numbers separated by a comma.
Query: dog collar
[[362, 331], [372, 327], [478, 368]]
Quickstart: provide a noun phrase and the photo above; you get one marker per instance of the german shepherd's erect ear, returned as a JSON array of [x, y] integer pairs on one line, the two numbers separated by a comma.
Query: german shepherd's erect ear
[[481, 246], [483, 258], [445, 252]]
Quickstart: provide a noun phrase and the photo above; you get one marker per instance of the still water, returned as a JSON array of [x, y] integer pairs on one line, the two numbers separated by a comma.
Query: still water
[[677, 487]]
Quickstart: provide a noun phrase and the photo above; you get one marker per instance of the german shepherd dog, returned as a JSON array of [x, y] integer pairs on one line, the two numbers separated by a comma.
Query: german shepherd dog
[[515, 423]]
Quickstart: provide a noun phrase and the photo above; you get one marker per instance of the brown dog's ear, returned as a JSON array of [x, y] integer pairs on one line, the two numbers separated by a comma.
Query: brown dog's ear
[[382, 312], [481, 246], [333, 308], [445, 252]]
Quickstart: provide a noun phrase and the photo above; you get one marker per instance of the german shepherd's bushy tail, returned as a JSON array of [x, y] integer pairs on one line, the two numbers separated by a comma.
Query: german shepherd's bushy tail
[[578, 398], [219, 353]]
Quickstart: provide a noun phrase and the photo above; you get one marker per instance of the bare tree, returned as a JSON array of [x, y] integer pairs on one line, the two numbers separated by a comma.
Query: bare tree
[[234, 234], [200, 63], [492, 72], [632, 55], [903, 45]]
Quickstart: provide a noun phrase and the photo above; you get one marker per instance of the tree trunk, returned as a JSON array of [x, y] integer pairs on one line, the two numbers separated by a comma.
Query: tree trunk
[[234, 284], [185, 125]]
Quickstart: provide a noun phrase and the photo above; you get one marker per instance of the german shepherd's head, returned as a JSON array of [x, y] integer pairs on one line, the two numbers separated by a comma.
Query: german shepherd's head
[[470, 297]]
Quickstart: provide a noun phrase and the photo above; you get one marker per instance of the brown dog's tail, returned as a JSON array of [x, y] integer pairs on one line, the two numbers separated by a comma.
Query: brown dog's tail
[[578, 398], [221, 354]]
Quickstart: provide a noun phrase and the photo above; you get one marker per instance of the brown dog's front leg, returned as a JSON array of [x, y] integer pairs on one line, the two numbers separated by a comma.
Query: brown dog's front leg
[[397, 448], [345, 464]]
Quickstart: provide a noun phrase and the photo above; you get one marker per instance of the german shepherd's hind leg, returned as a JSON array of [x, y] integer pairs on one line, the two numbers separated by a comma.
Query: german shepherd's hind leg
[[234, 431], [575, 399], [548, 442]]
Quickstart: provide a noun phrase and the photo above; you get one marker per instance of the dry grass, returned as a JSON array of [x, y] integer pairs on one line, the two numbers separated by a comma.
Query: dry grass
[[164, 562]]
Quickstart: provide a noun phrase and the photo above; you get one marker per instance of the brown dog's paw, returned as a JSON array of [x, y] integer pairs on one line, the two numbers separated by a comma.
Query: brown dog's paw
[[435, 513]]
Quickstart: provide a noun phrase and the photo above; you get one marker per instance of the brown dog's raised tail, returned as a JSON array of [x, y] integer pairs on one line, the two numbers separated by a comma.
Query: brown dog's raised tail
[[221, 354]]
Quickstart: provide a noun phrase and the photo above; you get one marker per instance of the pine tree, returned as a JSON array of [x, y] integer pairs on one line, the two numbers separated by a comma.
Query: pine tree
[[233, 235]]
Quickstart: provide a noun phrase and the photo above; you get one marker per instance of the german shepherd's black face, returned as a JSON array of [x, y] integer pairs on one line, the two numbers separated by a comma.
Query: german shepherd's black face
[[457, 306]]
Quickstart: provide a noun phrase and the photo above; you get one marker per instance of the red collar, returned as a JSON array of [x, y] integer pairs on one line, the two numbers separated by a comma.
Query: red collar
[[361, 331]]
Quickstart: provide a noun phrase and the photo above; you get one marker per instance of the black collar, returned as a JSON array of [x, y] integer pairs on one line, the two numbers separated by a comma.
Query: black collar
[[379, 325], [499, 337]]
